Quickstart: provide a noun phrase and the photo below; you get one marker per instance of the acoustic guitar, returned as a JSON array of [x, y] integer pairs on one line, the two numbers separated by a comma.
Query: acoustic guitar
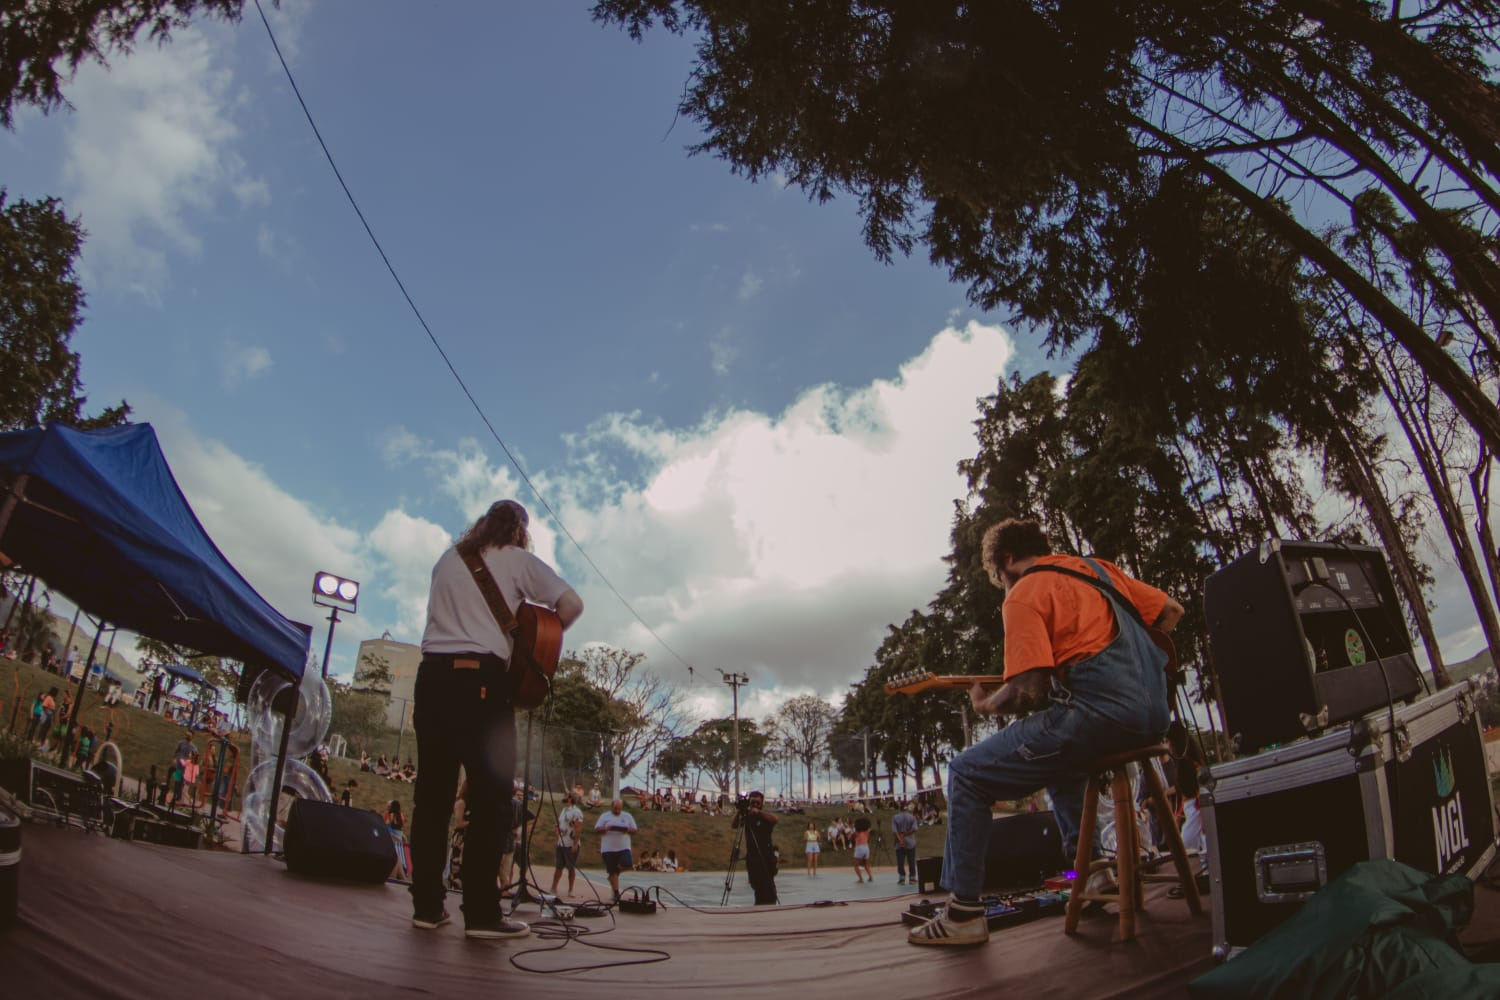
[[923, 680], [536, 646]]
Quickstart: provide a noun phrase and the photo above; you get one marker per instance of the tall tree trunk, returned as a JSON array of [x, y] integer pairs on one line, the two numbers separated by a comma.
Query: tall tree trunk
[[1467, 398]]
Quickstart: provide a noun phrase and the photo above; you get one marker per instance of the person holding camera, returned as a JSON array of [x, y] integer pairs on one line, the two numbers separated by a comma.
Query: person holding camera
[[760, 853]]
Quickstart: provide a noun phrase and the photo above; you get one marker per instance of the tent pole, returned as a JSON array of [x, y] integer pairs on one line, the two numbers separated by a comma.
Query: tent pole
[[286, 735], [12, 497], [67, 742]]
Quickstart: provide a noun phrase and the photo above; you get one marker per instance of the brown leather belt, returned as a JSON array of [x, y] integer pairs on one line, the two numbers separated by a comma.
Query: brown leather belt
[[465, 664]]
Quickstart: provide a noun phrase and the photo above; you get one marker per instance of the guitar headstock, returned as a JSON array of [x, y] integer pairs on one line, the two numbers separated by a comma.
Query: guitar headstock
[[920, 680]]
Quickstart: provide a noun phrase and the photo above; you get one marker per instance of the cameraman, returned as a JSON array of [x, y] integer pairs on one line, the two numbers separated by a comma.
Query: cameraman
[[760, 853]]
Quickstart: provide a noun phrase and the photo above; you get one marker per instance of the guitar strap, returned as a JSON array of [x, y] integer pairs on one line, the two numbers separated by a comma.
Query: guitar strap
[[491, 591]]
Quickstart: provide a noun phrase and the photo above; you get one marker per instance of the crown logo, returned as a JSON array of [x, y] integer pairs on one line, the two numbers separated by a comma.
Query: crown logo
[[1442, 774]]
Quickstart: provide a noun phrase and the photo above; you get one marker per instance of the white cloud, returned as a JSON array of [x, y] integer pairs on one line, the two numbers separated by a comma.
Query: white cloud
[[750, 285], [245, 362], [149, 146], [783, 545]]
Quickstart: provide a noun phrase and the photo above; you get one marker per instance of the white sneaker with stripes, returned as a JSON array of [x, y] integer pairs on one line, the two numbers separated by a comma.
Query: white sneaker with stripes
[[943, 931]]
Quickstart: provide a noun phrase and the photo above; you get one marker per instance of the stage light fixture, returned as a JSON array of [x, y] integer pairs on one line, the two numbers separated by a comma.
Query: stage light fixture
[[330, 590]]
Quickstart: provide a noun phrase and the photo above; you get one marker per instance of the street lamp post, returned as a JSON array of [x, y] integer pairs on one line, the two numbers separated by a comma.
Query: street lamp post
[[734, 681]]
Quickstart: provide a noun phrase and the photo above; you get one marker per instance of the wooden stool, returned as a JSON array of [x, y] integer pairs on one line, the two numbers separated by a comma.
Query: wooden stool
[[1127, 840]]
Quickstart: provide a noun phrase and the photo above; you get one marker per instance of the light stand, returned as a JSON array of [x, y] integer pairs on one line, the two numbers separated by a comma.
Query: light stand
[[337, 594], [523, 884]]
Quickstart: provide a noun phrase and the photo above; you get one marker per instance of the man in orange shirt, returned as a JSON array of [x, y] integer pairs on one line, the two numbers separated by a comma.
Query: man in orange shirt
[[1078, 658]]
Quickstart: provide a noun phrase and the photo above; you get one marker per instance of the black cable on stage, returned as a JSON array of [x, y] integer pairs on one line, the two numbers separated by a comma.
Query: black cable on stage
[[514, 461]]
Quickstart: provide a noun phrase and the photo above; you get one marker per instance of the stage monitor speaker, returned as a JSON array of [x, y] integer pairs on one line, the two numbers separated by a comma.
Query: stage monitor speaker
[[1305, 635], [1024, 850], [334, 841]]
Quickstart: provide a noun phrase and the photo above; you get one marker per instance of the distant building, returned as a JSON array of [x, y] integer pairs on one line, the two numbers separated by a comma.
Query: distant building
[[402, 659]]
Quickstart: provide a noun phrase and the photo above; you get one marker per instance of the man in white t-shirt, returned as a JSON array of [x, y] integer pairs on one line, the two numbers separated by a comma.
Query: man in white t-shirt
[[569, 837], [464, 715], [616, 826]]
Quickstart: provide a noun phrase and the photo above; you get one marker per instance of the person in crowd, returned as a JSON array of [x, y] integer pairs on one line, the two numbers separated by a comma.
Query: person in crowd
[[151, 786], [346, 797], [759, 824], [395, 823], [569, 841], [453, 872], [670, 862], [41, 707], [862, 849], [1078, 658], [904, 837], [1188, 759], [615, 828], [594, 798], [464, 715], [814, 849]]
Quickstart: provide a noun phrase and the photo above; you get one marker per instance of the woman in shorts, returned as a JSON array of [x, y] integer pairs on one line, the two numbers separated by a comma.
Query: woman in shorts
[[813, 849]]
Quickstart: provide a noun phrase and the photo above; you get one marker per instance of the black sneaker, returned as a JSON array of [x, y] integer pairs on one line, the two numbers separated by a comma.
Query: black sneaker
[[430, 921], [499, 927]]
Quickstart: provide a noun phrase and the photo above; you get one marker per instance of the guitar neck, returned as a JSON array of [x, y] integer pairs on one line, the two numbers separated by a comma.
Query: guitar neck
[[922, 681]]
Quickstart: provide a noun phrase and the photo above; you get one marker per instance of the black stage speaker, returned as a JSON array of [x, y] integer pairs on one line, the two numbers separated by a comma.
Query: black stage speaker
[[334, 841], [1305, 635], [1024, 850]]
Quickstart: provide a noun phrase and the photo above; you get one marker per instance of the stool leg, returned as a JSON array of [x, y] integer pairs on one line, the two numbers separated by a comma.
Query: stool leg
[[1127, 851], [1082, 855], [1174, 844]]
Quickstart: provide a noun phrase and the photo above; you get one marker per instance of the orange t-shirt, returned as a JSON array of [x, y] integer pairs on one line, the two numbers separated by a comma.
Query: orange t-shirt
[[1052, 620]]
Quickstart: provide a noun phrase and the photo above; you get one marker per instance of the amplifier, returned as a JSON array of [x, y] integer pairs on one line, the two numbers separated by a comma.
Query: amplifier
[[1412, 785], [1305, 635], [334, 841]]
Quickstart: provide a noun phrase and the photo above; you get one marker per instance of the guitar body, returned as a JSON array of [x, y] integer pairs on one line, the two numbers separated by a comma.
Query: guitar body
[[536, 647]]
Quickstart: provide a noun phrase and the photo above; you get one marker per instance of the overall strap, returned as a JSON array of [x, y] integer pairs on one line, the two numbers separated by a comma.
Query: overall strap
[[491, 591]]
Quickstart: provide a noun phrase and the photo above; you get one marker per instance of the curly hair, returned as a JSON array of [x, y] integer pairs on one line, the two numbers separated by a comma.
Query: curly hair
[[503, 524], [1022, 539]]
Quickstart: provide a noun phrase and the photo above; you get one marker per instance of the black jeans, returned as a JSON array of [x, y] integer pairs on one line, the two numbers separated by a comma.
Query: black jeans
[[463, 716]]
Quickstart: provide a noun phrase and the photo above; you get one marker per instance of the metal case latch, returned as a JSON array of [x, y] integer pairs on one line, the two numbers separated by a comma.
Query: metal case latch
[[1290, 873]]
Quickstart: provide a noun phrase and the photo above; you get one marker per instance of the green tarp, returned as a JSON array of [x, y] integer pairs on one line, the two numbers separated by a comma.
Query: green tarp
[[1381, 929]]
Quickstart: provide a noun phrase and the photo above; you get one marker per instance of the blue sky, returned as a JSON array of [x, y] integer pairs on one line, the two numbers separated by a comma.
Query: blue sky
[[750, 424]]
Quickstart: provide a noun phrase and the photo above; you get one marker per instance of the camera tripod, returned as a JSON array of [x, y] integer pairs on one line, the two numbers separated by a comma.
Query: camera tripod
[[734, 858]]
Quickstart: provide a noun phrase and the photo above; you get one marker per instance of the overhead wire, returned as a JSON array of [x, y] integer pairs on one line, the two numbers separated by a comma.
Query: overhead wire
[[514, 461]]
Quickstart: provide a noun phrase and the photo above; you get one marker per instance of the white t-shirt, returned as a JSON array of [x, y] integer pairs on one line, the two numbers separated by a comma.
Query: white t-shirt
[[459, 620], [614, 840], [565, 821]]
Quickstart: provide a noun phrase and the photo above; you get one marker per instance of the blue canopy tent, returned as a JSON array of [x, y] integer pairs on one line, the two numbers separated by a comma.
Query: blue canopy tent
[[185, 672], [98, 516]]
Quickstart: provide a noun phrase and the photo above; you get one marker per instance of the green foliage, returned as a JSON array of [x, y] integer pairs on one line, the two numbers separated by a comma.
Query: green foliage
[[708, 751], [374, 672], [40, 305], [645, 710], [42, 42], [358, 716]]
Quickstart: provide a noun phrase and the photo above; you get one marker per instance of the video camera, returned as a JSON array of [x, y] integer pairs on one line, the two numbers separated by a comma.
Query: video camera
[[742, 805]]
